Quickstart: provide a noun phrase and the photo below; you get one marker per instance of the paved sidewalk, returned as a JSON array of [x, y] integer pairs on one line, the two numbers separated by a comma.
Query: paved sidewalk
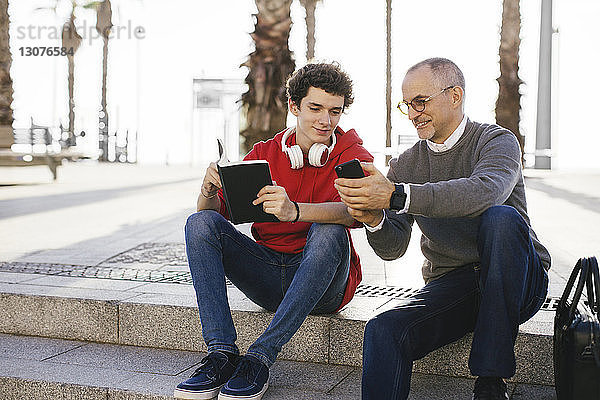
[[95, 212], [101, 371]]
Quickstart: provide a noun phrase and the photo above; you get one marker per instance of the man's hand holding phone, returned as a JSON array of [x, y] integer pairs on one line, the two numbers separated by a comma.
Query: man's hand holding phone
[[366, 197]]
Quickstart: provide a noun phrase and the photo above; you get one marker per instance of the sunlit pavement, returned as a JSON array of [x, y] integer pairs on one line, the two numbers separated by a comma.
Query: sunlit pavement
[[96, 211]]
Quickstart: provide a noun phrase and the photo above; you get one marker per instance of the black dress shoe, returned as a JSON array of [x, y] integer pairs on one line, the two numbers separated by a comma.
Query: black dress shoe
[[490, 388]]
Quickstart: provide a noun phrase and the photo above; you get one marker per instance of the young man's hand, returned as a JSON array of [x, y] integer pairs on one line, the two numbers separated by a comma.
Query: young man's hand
[[367, 217], [370, 193], [275, 201], [212, 181]]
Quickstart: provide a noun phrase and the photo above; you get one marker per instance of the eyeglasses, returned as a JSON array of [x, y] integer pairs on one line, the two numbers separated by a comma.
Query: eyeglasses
[[418, 104]]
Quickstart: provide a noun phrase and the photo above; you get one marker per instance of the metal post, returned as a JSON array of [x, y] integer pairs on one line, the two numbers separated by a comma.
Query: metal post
[[544, 101]]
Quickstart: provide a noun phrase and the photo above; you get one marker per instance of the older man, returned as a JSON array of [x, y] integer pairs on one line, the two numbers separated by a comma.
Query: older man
[[485, 270]]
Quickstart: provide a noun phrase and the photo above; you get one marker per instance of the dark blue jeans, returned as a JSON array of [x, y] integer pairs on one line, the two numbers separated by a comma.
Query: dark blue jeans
[[491, 299], [291, 285]]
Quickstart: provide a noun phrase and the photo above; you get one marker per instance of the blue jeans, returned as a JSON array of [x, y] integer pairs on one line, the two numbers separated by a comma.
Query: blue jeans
[[291, 285], [490, 298]]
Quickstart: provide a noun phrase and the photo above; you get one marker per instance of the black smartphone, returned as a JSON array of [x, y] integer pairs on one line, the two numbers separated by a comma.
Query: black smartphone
[[350, 169]]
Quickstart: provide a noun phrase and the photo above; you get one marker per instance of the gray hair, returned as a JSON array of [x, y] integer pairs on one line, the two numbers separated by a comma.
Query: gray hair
[[445, 72]]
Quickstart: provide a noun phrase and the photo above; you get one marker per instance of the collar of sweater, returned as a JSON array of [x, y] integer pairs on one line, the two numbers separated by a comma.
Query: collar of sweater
[[452, 139]]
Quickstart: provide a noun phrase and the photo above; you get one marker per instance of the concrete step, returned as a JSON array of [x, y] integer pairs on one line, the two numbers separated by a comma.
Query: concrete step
[[43, 368], [164, 316]]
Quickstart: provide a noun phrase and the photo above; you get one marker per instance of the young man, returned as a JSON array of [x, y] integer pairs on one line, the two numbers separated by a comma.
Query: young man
[[485, 270], [304, 264]]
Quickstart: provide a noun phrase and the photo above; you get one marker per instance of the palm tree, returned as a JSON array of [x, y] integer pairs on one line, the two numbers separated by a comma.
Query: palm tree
[[508, 104], [71, 40], [6, 89], [310, 7], [270, 64], [103, 26]]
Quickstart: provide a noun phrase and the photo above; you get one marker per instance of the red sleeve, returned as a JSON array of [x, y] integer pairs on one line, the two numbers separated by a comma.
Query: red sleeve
[[254, 154], [364, 155], [356, 151], [223, 207]]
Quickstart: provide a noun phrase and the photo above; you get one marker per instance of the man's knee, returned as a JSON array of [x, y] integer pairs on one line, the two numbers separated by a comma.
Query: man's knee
[[386, 331], [329, 242], [202, 222], [501, 220], [375, 333], [327, 233]]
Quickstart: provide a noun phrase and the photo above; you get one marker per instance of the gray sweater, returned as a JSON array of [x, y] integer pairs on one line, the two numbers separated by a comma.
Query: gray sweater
[[448, 191]]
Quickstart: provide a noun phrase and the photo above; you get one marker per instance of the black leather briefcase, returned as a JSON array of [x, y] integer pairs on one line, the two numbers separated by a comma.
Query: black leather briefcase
[[577, 336]]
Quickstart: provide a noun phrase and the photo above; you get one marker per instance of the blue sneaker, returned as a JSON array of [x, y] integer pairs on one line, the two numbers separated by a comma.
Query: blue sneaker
[[249, 381], [214, 370]]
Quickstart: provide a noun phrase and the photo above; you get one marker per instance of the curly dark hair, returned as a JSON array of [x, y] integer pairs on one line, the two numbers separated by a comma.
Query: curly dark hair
[[327, 76]]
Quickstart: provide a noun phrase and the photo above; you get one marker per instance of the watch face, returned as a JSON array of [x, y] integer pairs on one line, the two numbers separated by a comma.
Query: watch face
[[398, 198]]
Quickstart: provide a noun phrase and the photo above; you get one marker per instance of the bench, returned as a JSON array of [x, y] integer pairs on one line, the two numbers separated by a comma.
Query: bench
[[34, 146], [10, 158]]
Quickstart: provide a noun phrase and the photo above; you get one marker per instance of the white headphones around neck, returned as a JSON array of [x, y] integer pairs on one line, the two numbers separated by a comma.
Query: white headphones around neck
[[315, 154]]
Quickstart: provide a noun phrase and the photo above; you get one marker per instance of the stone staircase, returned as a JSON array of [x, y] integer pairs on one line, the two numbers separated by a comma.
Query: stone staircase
[[82, 338]]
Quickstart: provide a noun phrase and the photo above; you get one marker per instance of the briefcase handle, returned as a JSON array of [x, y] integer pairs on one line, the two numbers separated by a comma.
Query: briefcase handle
[[589, 277], [581, 269], [594, 283], [594, 301]]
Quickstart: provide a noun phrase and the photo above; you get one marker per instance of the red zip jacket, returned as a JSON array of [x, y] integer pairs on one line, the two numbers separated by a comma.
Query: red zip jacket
[[306, 185]]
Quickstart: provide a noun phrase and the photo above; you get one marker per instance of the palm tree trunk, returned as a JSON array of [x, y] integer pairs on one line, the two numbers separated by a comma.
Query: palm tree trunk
[[508, 105], [264, 103], [71, 40], [103, 115], [388, 77], [103, 26], [310, 7], [6, 88], [104, 71], [71, 83]]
